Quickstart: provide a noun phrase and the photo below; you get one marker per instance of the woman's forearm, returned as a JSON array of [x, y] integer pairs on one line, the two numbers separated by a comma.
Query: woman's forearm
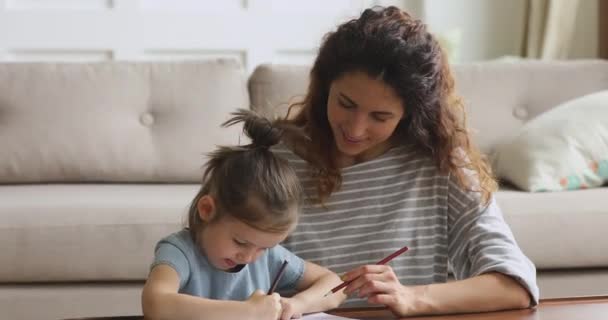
[[487, 292]]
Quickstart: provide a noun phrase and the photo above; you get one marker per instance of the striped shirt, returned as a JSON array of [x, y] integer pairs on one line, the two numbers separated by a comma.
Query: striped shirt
[[401, 199]]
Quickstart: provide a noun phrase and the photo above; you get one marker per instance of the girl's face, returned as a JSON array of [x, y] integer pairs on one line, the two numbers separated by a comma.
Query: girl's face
[[229, 242], [363, 113]]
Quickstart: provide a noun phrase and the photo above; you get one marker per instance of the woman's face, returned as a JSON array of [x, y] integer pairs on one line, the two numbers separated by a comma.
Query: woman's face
[[363, 113]]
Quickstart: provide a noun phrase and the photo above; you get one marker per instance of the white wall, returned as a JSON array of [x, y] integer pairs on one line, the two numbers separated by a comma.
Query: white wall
[[491, 29], [252, 31], [585, 43], [488, 28]]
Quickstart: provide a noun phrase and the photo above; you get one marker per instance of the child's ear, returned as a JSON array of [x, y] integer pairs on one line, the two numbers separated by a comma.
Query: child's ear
[[206, 208]]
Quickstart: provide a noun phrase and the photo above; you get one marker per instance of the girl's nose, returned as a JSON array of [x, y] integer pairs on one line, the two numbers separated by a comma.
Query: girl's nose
[[247, 256]]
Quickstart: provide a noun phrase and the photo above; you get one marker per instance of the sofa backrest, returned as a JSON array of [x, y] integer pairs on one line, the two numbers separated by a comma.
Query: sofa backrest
[[154, 122], [115, 122], [499, 96]]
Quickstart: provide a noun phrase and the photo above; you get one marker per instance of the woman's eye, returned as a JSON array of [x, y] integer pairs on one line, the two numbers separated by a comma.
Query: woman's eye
[[380, 119], [345, 105]]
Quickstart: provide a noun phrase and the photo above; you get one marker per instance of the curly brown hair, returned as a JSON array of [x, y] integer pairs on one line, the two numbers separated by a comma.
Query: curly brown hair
[[388, 44]]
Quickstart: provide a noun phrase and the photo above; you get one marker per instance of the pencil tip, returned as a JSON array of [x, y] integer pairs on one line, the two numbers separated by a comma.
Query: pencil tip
[[326, 294]]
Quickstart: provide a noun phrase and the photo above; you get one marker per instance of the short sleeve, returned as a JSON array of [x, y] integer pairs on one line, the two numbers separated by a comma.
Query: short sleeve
[[169, 254], [293, 271], [480, 241]]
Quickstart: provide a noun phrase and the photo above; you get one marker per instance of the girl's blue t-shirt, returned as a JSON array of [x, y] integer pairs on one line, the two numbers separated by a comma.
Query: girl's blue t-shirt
[[199, 278]]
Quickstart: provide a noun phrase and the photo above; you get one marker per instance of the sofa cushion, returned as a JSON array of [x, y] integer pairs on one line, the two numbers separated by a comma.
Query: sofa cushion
[[273, 88], [115, 122], [86, 232], [563, 229], [564, 148], [81, 300]]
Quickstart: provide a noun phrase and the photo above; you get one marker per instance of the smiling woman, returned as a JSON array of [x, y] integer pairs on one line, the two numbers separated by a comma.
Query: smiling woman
[[390, 164], [363, 112]]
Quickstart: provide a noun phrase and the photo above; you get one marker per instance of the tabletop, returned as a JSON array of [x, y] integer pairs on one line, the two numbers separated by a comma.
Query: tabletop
[[589, 308]]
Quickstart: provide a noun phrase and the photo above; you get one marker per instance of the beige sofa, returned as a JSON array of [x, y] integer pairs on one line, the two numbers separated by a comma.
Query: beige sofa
[[99, 161]]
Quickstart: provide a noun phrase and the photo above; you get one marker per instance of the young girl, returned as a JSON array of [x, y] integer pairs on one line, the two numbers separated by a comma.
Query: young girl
[[222, 266]]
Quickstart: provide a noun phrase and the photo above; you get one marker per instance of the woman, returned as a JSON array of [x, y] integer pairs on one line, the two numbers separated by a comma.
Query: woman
[[390, 163]]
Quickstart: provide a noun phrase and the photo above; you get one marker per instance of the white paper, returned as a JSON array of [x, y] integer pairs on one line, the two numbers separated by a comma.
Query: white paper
[[322, 316]]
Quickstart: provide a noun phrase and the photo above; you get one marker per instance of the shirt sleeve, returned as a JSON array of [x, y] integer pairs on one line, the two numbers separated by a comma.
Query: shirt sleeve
[[171, 255], [293, 271], [480, 241]]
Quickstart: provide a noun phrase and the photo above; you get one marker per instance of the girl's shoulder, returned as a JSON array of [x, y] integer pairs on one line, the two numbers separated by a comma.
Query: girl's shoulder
[[181, 239]]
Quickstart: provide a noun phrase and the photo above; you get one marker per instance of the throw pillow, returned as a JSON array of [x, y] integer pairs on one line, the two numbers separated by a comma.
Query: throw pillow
[[565, 148]]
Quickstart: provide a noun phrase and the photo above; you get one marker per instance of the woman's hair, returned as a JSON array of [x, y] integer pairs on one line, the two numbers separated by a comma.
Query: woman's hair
[[389, 45], [249, 182]]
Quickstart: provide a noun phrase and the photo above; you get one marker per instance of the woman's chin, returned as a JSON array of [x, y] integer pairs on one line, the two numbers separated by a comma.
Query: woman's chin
[[350, 150]]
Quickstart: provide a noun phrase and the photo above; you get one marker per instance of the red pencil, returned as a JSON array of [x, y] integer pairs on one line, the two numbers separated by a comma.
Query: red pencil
[[383, 261]]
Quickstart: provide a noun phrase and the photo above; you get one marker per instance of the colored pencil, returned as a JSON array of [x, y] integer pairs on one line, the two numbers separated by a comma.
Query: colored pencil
[[381, 262], [275, 282]]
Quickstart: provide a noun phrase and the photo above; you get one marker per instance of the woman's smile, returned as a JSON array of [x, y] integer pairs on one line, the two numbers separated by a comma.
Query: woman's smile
[[350, 139]]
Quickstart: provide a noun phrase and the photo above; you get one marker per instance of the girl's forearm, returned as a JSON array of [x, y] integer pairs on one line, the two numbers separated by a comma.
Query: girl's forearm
[[186, 307], [313, 299], [487, 292]]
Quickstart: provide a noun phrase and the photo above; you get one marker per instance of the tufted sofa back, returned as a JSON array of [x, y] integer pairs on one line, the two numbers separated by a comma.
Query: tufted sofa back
[[499, 96], [115, 122], [154, 122]]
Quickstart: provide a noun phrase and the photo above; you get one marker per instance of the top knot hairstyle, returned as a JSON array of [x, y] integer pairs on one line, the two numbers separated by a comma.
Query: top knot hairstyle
[[249, 182], [260, 130]]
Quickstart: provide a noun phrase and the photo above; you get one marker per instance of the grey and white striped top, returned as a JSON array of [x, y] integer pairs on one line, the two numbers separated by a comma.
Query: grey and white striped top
[[400, 199]]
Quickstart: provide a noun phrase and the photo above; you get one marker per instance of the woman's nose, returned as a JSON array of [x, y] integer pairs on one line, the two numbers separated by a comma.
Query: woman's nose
[[357, 126]]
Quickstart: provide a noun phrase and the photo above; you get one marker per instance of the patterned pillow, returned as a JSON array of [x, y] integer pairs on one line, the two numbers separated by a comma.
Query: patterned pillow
[[565, 148]]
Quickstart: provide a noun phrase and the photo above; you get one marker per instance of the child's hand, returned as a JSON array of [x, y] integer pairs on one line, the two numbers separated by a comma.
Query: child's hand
[[266, 307], [291, 309]]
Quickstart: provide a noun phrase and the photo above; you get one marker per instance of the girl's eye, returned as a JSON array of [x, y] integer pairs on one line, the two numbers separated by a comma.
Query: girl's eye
[[240, 243]]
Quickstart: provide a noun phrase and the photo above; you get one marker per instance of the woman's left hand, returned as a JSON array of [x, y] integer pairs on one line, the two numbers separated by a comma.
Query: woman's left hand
[[380, 285]]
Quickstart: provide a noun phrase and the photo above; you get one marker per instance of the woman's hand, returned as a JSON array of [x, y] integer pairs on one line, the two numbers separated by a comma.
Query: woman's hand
[[264, 306], [380, 285], [291, 309]]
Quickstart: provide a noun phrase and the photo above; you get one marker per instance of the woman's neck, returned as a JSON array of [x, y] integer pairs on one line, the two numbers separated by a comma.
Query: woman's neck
[[344, 161]]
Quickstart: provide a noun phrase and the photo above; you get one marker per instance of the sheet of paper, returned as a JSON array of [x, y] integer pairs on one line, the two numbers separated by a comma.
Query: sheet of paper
[[322, 316]]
